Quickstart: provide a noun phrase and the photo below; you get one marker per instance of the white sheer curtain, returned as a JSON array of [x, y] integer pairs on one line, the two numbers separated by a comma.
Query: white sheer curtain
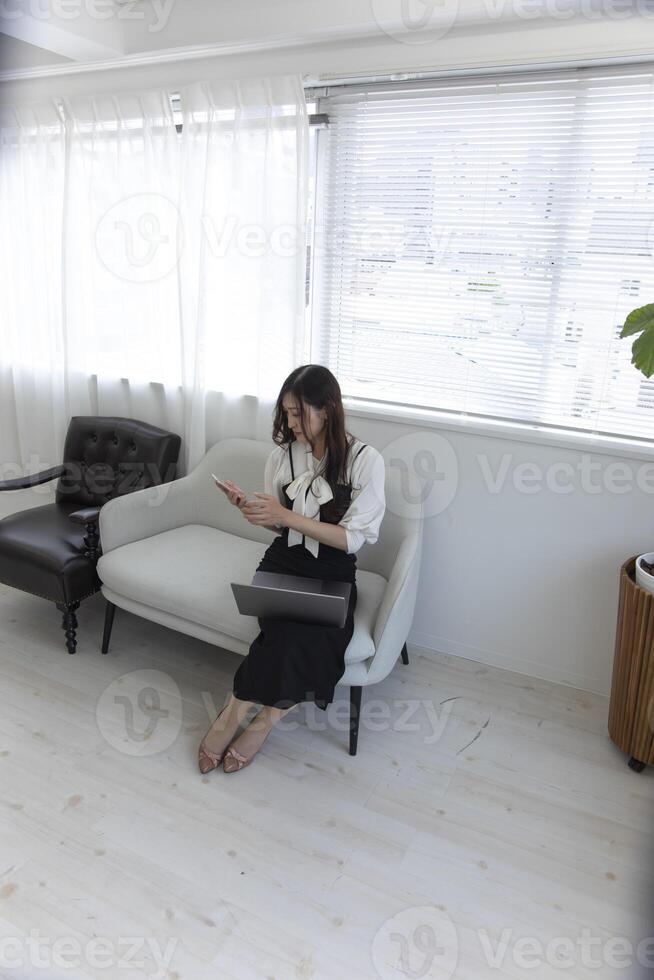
[[117, 299], [32, 345], [244, 197]]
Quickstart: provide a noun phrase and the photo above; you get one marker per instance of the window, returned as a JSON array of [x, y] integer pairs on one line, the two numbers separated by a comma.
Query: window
[[480, 242]]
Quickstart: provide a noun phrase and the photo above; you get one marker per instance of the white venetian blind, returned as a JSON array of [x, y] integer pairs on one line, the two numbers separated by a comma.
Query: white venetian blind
[[481, 241]]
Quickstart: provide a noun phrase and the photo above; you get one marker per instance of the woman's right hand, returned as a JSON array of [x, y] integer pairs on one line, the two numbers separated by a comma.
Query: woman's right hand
[[234, 493]]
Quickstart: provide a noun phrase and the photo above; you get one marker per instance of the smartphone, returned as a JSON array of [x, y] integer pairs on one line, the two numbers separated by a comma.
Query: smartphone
[[224, 487]]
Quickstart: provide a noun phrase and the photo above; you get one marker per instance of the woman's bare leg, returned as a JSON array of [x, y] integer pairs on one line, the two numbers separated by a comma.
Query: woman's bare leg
[[224, 727], [249, 741]]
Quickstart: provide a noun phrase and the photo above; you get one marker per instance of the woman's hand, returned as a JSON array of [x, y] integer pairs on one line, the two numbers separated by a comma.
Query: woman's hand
[[265, 510], [234, 493]]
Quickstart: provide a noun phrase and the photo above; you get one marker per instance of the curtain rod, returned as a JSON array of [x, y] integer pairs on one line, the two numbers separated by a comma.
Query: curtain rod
[[324, 84]]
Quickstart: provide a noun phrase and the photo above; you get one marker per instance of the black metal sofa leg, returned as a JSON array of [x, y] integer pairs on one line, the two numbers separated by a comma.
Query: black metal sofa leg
[[69, 623], [405, 655], [109, 612], [355, 712]]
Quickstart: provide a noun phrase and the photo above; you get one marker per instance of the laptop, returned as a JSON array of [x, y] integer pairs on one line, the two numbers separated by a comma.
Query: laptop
[[306, 600]]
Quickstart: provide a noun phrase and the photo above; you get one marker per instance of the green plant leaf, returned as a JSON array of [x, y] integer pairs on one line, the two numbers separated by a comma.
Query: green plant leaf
[[640, 319], [642, 352]]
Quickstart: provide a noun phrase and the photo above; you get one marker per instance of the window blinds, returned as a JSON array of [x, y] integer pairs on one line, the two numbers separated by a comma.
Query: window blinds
[[480, 243]]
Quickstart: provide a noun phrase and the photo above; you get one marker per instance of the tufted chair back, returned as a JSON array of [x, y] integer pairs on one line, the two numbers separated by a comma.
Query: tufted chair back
[[107, 456]]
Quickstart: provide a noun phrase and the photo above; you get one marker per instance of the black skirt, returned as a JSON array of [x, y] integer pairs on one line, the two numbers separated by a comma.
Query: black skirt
[[289, 661]]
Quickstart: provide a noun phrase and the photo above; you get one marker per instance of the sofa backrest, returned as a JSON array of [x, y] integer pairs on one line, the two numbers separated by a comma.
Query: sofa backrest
[[403, 519], [244, 460], [240, 460]]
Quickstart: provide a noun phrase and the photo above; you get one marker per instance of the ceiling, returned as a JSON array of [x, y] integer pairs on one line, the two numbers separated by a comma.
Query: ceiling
[[15, 54], [97, 31]]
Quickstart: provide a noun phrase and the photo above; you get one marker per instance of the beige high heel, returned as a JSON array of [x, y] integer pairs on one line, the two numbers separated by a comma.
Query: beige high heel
[[233, 760], [208, 760]]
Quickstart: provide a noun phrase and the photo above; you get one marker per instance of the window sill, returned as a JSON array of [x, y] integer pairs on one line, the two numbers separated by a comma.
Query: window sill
[[531, 434]]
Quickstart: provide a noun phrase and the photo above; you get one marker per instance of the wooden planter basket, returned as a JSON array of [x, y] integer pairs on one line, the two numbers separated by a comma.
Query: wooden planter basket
[[631, 711]]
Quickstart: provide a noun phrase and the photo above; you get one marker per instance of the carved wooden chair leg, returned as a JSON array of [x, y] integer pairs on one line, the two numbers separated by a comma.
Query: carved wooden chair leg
[[69, 623]]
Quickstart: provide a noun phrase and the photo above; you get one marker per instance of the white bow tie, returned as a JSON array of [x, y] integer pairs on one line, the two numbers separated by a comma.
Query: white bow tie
[[308, 502]]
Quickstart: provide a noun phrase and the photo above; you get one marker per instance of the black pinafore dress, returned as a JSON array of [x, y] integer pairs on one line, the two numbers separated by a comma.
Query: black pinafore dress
[[289, 661]]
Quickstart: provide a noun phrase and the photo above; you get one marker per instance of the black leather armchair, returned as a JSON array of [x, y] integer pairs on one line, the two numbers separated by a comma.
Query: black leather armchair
[[52, 551]]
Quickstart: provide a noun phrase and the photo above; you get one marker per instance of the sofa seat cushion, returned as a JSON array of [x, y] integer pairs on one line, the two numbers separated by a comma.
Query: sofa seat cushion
[[187, 572]]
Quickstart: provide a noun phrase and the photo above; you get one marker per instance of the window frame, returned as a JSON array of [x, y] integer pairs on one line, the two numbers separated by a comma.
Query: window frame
[[537, 433]]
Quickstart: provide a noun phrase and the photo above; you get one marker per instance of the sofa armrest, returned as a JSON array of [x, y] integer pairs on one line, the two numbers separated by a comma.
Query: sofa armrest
[[34, 479], [143, 513], [395, 613]]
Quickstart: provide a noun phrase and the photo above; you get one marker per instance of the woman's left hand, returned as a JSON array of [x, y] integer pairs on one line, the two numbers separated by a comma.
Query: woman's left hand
[[265, 510]]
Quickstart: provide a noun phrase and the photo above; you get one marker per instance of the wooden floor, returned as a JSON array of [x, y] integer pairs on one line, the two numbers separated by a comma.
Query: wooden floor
[[486, 808]]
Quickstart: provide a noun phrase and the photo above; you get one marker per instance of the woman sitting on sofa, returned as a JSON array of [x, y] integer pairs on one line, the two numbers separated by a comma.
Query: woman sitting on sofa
[[324, 491]]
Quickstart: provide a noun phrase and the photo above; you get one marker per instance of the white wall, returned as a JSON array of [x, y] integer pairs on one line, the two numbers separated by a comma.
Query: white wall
[[528, 581]]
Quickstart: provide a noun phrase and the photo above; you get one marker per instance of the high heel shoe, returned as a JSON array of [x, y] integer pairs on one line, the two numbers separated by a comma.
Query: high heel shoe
[[233, 760], [208, 760]]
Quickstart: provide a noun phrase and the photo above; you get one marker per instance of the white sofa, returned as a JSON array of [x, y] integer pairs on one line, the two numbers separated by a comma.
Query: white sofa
[[170, 552]]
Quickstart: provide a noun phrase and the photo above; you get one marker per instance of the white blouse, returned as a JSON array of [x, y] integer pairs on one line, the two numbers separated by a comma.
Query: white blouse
[[363, 517]]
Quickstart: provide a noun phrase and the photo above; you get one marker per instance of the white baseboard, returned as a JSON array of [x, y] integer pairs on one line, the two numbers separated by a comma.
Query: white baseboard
[[545, 672]]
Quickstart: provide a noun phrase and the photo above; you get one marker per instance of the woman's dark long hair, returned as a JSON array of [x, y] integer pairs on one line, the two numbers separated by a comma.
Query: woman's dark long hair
[[315, 385]]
